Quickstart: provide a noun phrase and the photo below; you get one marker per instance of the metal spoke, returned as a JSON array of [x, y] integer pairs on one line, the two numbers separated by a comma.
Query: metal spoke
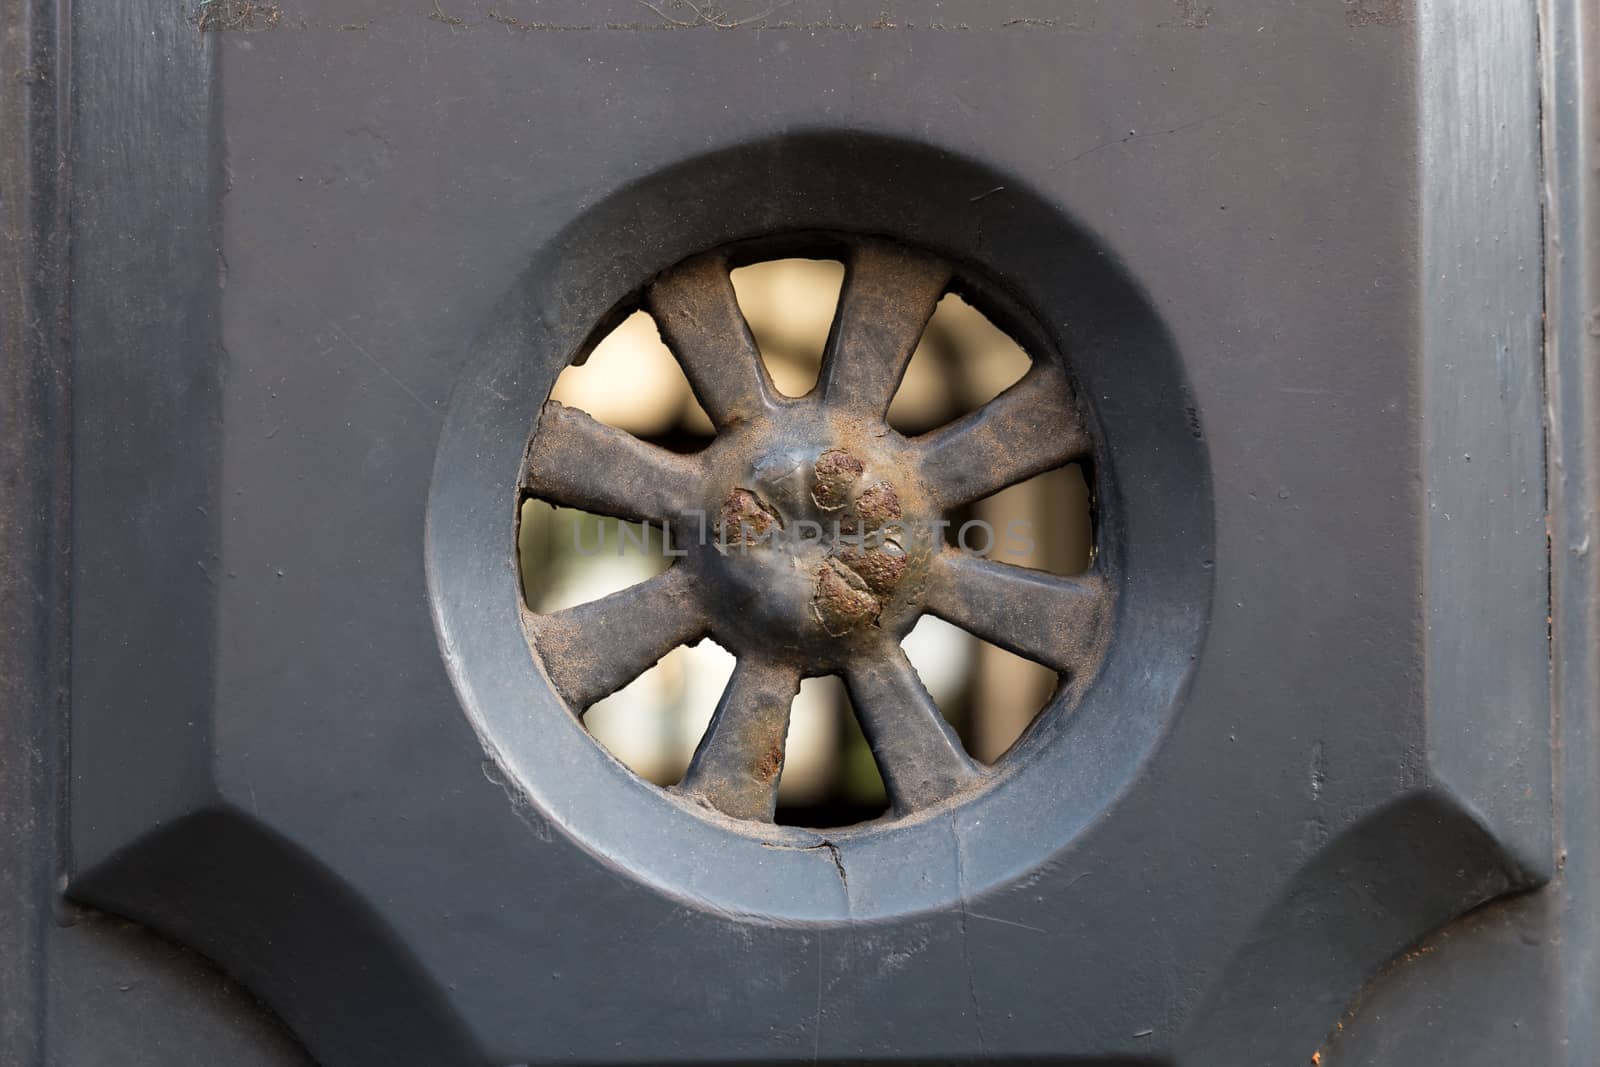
[[918, 754], [1030, 428], [889, 294], [594, 649], [1052, 620], [735, 769], [699, 318], [577, 462]]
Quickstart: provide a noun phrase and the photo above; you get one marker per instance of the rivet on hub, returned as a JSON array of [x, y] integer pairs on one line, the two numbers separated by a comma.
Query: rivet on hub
[[843, 602], [878, 505], [744, 519], [836, 474], [881, 568]]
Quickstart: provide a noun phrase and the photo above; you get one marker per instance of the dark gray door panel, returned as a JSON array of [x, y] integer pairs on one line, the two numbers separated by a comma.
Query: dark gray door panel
[[326, 261]]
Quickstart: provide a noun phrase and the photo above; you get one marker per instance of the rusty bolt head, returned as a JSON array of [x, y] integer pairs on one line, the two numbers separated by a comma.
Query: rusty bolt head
[[836, 473], [744, 518], [880, 568], [843, 602], [878, 504]]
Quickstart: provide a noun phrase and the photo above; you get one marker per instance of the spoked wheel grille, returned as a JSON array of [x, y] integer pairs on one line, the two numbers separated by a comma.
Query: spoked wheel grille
[[807, 535]]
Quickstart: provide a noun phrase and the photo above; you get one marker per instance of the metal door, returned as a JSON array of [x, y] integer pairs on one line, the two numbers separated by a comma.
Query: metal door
[[293, 774]]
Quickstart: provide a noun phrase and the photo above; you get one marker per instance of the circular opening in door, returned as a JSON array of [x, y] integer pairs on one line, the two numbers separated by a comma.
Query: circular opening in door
[[839, 552]]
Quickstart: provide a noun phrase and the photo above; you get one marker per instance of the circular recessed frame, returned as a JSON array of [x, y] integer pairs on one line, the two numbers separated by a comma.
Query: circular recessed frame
[[806, 534]]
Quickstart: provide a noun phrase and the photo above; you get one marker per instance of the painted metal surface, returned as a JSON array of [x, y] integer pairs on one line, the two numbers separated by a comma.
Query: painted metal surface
[[325, 262]]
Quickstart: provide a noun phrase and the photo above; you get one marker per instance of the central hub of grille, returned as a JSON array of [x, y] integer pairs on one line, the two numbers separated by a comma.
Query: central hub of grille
[[816, 544]]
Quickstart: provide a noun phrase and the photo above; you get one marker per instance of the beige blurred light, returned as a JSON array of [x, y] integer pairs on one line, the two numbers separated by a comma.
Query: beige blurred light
[[942, 655], [654, 723], [1009, 692], [992, 361], [810, 762], [635, 724], [961, 363], [1042, 523], [789, 305], [706, 668], [570, 557], [630, 381]]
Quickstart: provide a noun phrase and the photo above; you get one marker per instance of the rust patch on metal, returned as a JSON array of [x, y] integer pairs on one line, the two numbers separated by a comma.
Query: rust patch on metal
[[745, 519], [836, 472], [843, 602], [880, 568], [878, 505], [770, 763]]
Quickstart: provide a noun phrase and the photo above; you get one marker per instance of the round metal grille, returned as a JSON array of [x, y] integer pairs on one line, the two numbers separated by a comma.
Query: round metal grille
[[807, 536]]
